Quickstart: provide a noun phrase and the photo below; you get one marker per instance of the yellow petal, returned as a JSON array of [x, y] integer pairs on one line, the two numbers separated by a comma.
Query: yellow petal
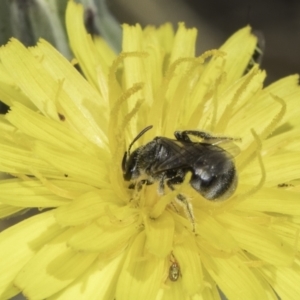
[[29, 193], [35, 82], [174, 291], [14, 159], [134, 67], [184, 43], [235, 279], [83, 47], [160, 233], [288, 231], [235, 102], [272, 200], [9, 92], [210, 290], [155, 55], [287, 88], [104, 52], [237, 50], [214, 233], [141, 276], [104, 239], [258, 240], [19, 243], [50, 131], [78, 101], [52, 268], [78, 166], [85, 208], [99, 282], [278, 168], [186, 254], [282, 142], [8, 210], [285, 281]]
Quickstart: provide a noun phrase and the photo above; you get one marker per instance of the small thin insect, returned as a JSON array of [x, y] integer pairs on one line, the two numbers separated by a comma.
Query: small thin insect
[[174, 271]]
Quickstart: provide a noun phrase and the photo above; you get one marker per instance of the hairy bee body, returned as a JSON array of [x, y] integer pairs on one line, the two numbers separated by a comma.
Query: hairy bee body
[[167, 161]]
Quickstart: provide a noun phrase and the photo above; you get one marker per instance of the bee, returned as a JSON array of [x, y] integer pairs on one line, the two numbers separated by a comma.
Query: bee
[[167, 161]]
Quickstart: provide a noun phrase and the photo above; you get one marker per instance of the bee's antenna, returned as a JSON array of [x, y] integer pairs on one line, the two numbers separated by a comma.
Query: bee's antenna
[[138, 136]]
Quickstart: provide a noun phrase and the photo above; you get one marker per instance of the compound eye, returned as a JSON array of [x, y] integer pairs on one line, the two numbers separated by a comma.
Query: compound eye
[[124, 162], [129, 165]]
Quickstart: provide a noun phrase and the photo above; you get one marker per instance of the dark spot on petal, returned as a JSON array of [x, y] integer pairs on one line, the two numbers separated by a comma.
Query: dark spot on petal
[[3, 108], [283, 185], [61, 117]]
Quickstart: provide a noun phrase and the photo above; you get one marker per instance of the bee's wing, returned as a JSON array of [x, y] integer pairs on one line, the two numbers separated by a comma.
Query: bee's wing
[[226, 144], [180, 155]]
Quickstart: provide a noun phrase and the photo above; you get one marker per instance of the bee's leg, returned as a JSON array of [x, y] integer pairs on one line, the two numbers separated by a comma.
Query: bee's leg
[[188, 209], [161, 188], [175, 180], [182, 200], [140, 184], [161, 184], [183, 136], [137, 187]]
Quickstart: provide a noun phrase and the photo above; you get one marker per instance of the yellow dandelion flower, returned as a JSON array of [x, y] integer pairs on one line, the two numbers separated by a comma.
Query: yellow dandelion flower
[[99, 236]]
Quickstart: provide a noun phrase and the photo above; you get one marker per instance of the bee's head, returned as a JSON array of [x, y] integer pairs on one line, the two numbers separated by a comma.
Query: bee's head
[[130, 166], [130, 160]]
